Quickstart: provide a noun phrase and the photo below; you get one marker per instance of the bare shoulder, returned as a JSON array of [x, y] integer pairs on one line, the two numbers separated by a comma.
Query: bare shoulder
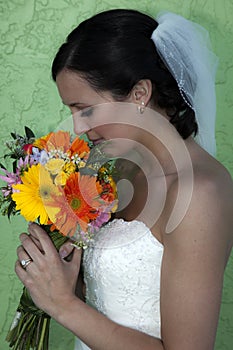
[[216, 178], [213, 187], [208, 215]]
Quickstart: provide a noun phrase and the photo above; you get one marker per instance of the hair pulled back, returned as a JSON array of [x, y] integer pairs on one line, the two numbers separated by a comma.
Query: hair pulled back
[[113, 50]]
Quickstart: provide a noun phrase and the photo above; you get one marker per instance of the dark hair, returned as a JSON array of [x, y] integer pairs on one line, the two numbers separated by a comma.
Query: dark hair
[[113, 50]]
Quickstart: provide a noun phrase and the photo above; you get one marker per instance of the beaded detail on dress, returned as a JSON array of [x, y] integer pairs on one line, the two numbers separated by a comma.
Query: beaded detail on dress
[[122, 276]]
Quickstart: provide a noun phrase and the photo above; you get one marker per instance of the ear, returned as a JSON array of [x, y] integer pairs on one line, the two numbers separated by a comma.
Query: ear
[[141, 92]]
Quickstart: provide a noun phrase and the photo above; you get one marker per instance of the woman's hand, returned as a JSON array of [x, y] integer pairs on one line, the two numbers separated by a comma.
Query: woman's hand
[[49, 278]]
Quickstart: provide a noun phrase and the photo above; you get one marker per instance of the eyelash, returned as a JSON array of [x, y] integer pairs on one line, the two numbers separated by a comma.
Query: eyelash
[[87, 112]]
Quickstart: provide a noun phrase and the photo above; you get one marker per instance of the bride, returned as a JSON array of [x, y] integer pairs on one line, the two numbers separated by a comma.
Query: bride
[[153, 276]]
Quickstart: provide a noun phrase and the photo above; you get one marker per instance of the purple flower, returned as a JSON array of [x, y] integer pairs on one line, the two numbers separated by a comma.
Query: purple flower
[[43, 157], [100, 220], [39, 156]]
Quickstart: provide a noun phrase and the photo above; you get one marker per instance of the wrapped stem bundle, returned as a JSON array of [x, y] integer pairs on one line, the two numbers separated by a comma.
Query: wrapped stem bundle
[[30, 327]]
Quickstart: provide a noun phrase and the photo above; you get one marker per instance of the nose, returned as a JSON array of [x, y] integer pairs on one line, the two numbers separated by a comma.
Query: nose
[[81, 125]]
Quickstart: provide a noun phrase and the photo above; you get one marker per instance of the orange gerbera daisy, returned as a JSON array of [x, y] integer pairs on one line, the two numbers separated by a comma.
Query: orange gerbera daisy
[[78, 204], [82, 194], [59, 140], [79, 147], [41, 142], [65, 219]]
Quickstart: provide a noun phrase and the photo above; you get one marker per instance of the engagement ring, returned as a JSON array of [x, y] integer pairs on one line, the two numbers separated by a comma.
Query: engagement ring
[[25, 262]]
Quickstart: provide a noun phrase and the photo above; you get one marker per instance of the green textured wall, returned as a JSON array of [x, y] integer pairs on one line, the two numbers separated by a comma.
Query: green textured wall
[[30, 32]]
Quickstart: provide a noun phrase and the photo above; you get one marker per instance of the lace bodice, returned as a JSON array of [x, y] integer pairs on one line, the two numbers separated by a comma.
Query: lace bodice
[[122, 276]]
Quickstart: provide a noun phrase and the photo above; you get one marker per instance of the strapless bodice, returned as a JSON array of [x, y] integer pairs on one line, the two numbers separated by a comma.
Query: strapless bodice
[[122, 276]]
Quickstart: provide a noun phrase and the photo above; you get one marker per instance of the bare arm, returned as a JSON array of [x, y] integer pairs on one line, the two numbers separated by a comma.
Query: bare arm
[[195, 257]]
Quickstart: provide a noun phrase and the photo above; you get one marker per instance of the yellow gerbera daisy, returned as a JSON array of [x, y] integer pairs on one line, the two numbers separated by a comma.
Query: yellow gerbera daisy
[[33, 194]]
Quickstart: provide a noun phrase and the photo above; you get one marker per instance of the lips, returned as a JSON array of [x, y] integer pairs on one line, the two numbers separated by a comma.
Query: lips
[[97, 141]]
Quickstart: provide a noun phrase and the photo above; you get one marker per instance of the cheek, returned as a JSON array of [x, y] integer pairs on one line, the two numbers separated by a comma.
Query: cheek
[[118, 140], [114, 131], [105, 131]]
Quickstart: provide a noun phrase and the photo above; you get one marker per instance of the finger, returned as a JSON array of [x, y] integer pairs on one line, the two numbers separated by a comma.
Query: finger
[[20, 272], [21, 253], [73, 265], [30, 248], [66, 249], [36, 241], [43, 238], [76, 257], [24, 259]]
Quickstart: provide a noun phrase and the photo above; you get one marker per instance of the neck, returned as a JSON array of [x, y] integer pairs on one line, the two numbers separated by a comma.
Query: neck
[[160, 147]]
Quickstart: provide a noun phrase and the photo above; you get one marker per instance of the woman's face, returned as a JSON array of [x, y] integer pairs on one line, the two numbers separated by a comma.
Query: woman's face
[[96, 114]]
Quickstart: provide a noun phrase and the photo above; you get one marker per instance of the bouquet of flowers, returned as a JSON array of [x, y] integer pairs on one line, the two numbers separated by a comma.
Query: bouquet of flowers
[[65, 186]]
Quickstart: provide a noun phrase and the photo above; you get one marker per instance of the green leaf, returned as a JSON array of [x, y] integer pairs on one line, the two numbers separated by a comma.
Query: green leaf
[[88, 170], [7, 155], [14, 156], [29, 133], [2, 166], [10, 209], [14, 165]]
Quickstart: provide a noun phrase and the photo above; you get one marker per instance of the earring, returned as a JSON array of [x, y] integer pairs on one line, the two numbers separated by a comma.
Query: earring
[[141, 107]]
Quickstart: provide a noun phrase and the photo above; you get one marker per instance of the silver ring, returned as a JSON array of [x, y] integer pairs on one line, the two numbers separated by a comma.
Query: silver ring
[[25, 262]]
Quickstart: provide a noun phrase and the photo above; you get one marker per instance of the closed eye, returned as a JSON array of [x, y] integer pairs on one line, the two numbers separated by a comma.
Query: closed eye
[[87, 112]]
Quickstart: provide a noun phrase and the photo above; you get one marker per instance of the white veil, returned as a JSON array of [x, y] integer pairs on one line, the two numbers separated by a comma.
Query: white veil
[[184, 47]]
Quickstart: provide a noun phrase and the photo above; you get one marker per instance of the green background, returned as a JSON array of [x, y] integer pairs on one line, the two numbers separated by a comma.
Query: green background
[[31, 31]]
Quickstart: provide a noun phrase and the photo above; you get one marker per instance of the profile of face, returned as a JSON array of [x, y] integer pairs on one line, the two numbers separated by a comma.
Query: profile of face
[[100, 116]]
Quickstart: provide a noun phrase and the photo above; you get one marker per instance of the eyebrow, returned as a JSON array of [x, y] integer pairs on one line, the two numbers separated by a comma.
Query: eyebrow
[[73, 104]]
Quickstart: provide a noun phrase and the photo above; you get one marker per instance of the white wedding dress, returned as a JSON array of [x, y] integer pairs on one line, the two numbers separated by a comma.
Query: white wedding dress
[[122, 275]]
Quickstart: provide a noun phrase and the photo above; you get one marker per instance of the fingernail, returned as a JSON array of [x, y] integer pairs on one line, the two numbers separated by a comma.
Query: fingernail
[[31, 224], [62, 253]]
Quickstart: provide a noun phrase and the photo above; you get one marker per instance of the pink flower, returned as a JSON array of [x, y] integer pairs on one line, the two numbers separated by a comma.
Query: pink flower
[[24, 163], [14, 178], [10, 179]]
